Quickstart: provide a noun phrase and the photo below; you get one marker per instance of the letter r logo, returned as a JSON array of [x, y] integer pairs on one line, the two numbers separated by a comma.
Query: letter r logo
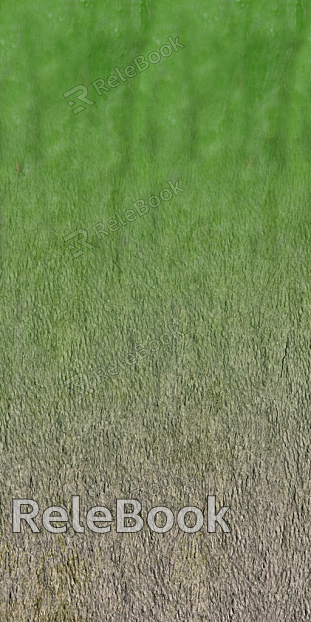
[[80, 381], [81, 241], [82, 97]]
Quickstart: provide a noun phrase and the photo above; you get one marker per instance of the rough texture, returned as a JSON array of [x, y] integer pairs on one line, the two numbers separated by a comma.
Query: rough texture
[[224, 408]]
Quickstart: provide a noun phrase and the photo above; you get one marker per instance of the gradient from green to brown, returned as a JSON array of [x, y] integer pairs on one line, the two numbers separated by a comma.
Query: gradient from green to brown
[[226, 410]]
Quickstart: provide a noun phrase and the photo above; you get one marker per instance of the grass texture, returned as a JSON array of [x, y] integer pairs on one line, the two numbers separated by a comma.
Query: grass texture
[[224, 409]]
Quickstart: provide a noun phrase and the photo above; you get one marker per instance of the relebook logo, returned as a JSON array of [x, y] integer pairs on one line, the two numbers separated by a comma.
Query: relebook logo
[[141, 64], [127, 511]]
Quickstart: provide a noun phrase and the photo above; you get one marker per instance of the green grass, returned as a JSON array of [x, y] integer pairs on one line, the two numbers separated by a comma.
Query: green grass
[[228, 261]]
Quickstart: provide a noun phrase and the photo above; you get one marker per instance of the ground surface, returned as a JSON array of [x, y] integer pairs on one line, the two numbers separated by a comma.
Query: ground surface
[[223, 408]]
